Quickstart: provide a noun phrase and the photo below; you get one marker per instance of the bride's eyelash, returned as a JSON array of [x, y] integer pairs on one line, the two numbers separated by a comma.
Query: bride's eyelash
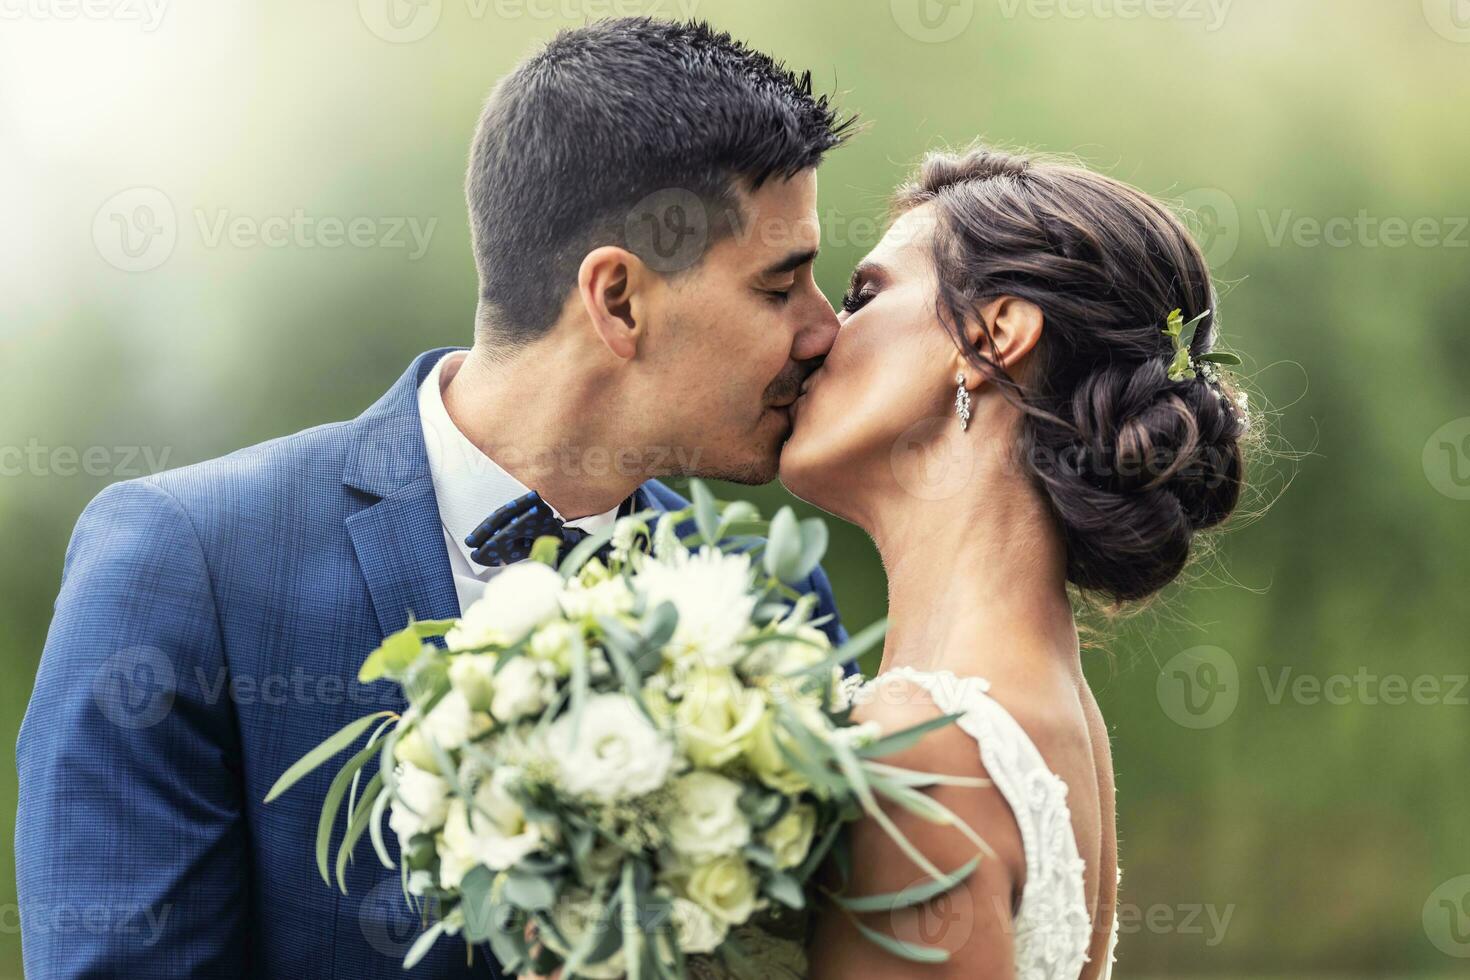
[[856, 300]]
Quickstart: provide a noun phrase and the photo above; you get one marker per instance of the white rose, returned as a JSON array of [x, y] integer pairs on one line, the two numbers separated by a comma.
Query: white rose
[[696, 930], [715, 716], [520, 689], [452, 722], [790, 838], [707, 822], [711, 591], [516, 601], [724, 888], [421, 803], [495, 835], [617, 752], [473, 675]]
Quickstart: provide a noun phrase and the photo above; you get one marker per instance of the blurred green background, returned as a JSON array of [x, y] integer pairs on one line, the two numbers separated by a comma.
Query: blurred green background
[[1266, 830]]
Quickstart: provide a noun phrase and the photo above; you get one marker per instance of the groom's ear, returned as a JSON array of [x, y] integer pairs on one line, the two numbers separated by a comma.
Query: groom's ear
[[1014, 326], [612, 284]]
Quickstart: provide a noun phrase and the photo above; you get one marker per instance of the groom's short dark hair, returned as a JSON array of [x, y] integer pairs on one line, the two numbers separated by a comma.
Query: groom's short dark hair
[[604, 116]]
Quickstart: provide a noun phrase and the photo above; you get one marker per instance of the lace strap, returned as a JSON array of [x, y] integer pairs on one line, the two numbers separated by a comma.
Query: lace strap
[[1053, 927]]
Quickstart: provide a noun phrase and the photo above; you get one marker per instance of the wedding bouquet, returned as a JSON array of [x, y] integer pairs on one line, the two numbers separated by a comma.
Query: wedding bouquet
[[630, 761]]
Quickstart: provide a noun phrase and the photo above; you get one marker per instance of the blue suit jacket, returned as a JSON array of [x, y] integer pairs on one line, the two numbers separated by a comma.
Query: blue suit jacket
[[208, 633]]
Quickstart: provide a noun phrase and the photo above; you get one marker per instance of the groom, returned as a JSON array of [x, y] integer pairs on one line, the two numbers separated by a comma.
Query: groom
[[643, 202]]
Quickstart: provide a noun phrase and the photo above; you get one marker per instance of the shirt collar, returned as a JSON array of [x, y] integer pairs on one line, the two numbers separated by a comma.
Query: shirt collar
[[469, 485]]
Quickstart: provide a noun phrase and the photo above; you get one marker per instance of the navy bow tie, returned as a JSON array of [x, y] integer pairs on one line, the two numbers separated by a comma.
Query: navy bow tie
[[507, 535]]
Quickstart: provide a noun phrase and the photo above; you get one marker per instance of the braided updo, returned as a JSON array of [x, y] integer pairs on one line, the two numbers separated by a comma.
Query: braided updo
[[1134, 462]]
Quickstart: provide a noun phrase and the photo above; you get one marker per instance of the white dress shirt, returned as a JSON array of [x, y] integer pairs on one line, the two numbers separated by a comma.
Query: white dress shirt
[[469, 485]]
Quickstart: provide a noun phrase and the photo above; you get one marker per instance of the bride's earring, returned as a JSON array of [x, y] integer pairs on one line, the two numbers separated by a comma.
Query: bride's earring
[[962, 402]]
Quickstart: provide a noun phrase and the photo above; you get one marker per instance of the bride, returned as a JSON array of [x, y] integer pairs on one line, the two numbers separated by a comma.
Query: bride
[[1005, 412]]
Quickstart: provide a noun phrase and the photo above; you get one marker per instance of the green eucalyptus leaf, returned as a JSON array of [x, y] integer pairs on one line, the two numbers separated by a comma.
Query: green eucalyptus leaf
[[907, 738], [706, 515], [392, 657], [532, 892], [422, 945], [546, 549], [478, 904], [783, 547], [328, 748], [427, 629], [361, 817], [813, 546], [333, 802], [786, 890], [903, 950], [913, 895]]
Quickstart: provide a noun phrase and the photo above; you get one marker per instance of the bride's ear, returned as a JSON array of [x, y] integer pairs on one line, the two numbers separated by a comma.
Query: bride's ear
[[608, 285], [1014, 326]]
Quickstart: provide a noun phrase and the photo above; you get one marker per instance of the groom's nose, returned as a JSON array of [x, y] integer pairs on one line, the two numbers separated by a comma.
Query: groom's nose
[[817, 331]]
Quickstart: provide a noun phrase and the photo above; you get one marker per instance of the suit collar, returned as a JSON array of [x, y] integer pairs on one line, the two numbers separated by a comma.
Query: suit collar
[[399, 539]]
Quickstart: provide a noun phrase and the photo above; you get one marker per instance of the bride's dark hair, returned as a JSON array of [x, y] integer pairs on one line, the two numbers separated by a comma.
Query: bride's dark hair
[[1133, 462]]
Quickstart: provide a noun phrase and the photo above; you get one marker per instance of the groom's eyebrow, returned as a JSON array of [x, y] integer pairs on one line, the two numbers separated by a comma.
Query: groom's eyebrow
[[790, 263]]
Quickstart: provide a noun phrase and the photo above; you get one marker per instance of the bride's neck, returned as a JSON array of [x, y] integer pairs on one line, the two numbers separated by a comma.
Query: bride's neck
[[983, 568]]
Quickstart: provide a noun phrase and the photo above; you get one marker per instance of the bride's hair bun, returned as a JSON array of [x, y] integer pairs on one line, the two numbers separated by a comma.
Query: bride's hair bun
[[1136, 458]]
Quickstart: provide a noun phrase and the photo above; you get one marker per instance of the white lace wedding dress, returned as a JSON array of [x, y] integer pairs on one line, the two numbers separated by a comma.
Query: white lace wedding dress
[[1053, 928]]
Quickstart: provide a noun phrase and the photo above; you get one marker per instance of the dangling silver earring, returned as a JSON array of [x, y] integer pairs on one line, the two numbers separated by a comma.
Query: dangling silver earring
[[962, 402]]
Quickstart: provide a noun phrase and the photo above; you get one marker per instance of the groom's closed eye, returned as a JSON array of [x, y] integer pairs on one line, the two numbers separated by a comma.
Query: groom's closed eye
[[777, 280]]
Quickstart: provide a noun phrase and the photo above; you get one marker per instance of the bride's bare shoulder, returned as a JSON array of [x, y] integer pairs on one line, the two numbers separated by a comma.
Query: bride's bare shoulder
[[895, 703]]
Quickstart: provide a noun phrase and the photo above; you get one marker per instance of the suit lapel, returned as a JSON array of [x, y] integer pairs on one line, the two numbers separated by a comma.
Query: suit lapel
[[400, 548], [398, 538]]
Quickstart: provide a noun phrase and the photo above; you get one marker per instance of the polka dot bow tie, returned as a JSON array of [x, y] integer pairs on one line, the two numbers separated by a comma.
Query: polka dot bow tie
[[506, 536]]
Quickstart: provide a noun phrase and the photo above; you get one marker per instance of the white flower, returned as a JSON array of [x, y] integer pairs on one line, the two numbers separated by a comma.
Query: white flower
[[520, 689], [724, 888], [617, 752], [625, 535], [496, 834], [516, 601], [421, 804], [707, 822], [696, 930], [711, 591], [452, 722], [604, 597], [473, 675], [715, 716], [790, 838], [554, 642]]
